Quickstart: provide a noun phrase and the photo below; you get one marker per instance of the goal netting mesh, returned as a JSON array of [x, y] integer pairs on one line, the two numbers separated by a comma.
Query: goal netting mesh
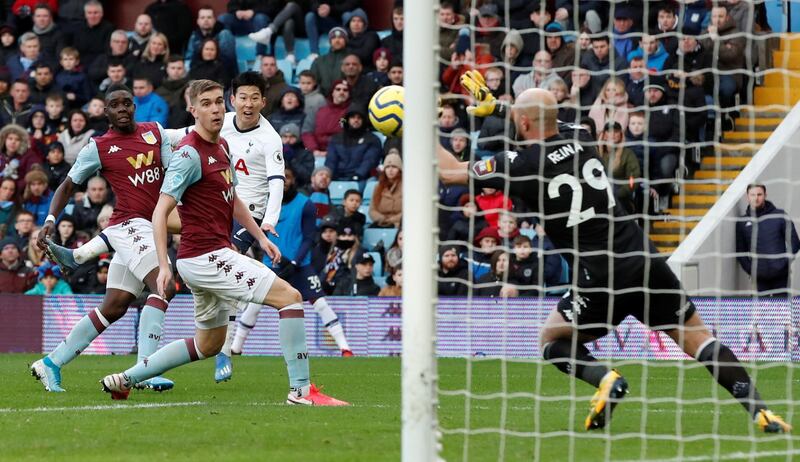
[[680, 163]]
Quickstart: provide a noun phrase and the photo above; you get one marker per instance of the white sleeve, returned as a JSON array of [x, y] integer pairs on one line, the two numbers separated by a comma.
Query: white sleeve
[[175, 135], [275, 177]]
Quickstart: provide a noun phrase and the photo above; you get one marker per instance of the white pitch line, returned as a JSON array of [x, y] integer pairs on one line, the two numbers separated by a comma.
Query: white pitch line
[[104, 407], [729, 456]]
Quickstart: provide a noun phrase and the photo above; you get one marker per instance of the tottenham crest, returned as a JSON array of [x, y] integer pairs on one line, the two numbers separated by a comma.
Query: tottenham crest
[[149, 138]]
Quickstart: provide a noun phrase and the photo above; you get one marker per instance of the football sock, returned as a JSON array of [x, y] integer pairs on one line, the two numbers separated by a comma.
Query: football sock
[[728, 372], [96, 246], [226, 347], [81, 335], [151, 324], [560, 354], [177, 353], [246, 323], [331, 322], [292, 334]]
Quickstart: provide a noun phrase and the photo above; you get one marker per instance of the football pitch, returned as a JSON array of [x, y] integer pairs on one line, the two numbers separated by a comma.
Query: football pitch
[[245, 419]]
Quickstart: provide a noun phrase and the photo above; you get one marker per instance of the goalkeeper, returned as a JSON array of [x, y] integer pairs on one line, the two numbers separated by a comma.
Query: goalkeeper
[[617, 270]]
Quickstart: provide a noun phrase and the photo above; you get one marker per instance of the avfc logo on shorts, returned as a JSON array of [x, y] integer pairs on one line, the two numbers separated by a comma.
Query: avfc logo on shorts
[[149, 138]]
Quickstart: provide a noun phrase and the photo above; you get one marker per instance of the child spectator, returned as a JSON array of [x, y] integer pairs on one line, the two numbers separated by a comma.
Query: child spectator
[[634, 137], [395, 284], [73, 82], [507, 229], [347, 214], [50, 281], [66, 235], [100, 275], [54, 106], [380, 59], [386, 207], [486, 244], [313, 100], [76, 136], [8, 42], [526, 261], [97, 117], [37, 196], [491, 202], [327, 239], [104, 217], [566, 110], [359, 282], [396, 73], [290, 110], [24, 225], [9, 206], [498, 281]]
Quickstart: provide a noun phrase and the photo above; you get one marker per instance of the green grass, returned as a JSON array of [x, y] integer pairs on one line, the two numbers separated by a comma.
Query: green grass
[[245, 420]]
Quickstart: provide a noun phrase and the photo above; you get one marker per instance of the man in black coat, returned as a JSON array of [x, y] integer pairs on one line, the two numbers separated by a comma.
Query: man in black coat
[[453, 272], [359, 282], [90, 37], [767, 238]]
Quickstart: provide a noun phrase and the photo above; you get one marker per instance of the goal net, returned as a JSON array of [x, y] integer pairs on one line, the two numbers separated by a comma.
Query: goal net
[[683, 102]]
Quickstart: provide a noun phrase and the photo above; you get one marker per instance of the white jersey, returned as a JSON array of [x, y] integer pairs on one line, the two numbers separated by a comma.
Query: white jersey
[[257, 157]]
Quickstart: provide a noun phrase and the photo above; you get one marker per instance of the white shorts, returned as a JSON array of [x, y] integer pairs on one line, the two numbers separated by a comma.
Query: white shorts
[[223, 281], [134, 254]]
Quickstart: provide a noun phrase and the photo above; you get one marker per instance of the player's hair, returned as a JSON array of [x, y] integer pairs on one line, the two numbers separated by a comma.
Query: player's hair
[[350, 192], [117, 87], [757, 185], [521, 239], [250, 79], [198, 87], [174, 58], [70, 52]]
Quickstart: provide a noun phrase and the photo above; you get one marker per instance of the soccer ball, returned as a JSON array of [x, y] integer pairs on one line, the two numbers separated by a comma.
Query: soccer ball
[[386, 110]]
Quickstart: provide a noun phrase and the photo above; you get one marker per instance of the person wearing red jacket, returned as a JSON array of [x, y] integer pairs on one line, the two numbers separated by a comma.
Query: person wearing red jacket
[[328, 119], [492, 202]]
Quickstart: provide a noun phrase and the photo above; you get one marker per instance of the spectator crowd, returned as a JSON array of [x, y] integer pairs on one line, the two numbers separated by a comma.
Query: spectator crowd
[[641, 85]]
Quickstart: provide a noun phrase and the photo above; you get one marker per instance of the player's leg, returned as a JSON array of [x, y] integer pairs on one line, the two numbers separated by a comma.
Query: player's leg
[[115, 304], [331, 321], [696, 341], [151, 328], [575, 321], [70, 259], [292, 336], [247, 321]]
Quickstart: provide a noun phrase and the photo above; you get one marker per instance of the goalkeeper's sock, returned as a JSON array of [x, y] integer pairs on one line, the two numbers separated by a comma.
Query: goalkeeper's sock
[[226, 347], [96, 246], [151, 323], [175, 354], [579, 363], [246, 323], [331, 322], [292, 334], [728, 372], [81, 335]]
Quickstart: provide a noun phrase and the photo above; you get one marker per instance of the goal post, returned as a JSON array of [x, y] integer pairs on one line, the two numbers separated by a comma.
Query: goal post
[[419, 424]]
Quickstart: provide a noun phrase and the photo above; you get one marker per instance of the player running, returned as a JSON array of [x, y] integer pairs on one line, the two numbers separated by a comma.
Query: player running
[[201, 177], [257, 156], [557, 173], [296, 231], [131, 156]]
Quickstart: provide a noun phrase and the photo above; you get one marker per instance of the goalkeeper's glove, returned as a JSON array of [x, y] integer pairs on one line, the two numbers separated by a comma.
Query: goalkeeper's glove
[[485, 102]]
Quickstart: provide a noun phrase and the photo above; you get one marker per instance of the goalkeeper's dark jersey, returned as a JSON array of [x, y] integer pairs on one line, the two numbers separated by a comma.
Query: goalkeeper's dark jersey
[[563, 181]]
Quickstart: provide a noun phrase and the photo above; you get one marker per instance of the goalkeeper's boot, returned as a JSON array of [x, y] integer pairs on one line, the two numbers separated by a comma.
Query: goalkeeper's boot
[[119, 385], [48, 373], [156, 384], [612, 389], [224, 368], [62, 256], [312, 396], [771, 423]]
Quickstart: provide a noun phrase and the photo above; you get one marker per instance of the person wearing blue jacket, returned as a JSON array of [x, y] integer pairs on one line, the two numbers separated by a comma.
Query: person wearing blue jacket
[[766, 243], [653, 52], [149, 106], [296, 233], [355, 152]]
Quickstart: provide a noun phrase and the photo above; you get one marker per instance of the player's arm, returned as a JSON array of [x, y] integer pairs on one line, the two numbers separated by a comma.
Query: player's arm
[[275, 178], [242, 214], [86, 164], [451, 170], [184, 169], [167, 142]]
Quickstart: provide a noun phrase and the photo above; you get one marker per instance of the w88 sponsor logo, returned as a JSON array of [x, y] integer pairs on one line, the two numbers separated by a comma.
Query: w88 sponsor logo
[[151, 175]]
